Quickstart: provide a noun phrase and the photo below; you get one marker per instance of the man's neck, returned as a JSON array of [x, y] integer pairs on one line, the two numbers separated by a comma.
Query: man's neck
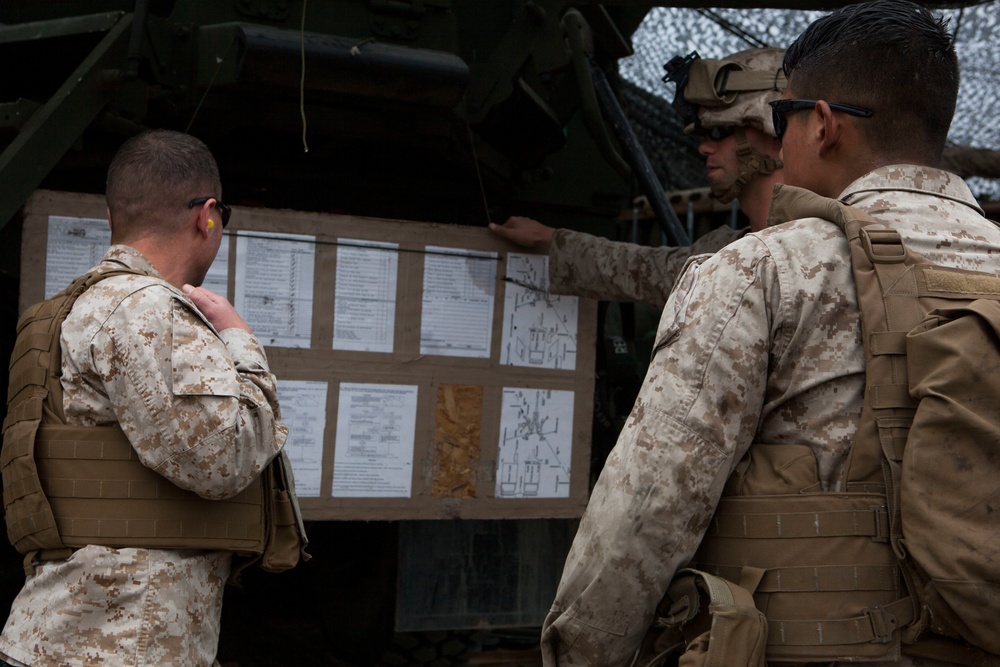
[[162, 256], [755, 200]]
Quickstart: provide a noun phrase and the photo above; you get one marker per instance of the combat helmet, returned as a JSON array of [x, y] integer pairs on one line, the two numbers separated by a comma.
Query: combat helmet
[[730, 93]]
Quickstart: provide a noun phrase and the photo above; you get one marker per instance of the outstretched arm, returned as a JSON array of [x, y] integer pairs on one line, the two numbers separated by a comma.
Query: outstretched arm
[[524, 232]]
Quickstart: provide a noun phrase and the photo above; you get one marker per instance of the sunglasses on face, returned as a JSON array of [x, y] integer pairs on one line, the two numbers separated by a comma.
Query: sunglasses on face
[[780, 108], [224, 209], [716, 133]]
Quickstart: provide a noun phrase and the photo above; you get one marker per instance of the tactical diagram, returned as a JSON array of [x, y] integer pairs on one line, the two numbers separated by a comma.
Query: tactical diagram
[[536, 442], [303, 409], [539, 328], [375, 425], [374, 450]]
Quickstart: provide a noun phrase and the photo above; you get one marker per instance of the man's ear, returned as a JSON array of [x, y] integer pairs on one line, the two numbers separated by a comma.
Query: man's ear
[[205, 220], [829, 129]]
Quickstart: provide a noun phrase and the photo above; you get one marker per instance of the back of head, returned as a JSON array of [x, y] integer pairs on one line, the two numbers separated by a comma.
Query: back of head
[[732, 91], [891, 56], [153, 177]]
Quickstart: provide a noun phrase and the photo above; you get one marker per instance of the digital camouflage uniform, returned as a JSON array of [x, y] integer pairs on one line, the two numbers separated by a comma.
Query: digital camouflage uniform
[[758, 343], [200, 408], [596, 268]]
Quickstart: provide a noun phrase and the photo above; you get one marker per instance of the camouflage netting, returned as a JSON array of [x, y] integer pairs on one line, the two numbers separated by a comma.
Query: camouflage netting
[[668, 31], [672, 153]]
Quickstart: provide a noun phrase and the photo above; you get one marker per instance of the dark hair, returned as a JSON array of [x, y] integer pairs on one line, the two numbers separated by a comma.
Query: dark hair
[[891, 56], [155, 174]]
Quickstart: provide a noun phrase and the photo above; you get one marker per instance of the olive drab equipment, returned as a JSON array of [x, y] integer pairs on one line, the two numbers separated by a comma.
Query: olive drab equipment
[[906, 549], [65, 487]]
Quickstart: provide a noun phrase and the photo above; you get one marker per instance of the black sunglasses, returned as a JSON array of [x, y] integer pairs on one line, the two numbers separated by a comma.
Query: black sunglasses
[[715, 133], [781, 107], [225, 209]]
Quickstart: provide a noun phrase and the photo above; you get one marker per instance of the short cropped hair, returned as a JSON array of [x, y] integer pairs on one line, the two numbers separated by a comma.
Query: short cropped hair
[[891, 56], [152, 178]]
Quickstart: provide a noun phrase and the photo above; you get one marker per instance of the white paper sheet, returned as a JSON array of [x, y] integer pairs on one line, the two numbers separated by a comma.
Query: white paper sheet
[[303, 409], [274, 286], [75, 245], [539, 329], [373, 457], [459, 287], [536, 444], [364, 317]]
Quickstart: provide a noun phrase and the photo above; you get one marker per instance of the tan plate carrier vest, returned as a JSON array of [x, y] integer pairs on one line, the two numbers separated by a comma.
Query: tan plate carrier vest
[[66, 487], [824, 567]]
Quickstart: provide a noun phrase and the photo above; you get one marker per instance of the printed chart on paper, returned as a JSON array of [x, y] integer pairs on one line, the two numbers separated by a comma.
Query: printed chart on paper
[[539, 329], [75, 245], [274, 286], [457, 310], [364, 314], [373, 455], [536, 443], [303, 409]]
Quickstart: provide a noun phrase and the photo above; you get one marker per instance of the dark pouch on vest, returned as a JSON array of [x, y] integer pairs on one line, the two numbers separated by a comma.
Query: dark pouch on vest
[[711, 622], [286, 537]]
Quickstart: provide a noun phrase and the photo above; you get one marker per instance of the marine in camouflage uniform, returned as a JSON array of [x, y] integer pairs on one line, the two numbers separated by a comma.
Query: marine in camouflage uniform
[[738, 142], [760, 343], [199, 406]]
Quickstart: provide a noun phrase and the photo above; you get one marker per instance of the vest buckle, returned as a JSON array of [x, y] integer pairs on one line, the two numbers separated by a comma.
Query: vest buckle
[[883, 246], [883, 528], [883, 624]]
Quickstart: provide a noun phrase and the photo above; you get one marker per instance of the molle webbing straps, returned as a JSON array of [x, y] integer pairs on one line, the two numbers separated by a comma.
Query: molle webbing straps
[[35, 393], [929, 427], [826, 578], [69, 486], [101, 493]]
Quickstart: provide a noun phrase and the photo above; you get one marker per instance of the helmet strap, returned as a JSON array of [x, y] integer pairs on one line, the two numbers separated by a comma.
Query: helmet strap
[[752, 162]]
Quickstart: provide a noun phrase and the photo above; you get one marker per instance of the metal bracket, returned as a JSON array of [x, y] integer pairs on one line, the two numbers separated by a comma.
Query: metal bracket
[[16, 114], [55, 126]]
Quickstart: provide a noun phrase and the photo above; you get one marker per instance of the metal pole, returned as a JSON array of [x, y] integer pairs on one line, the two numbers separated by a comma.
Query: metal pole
[[636, 157]]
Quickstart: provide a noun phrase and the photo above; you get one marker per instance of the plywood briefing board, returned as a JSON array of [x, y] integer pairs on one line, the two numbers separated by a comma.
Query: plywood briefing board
[[423, 369]]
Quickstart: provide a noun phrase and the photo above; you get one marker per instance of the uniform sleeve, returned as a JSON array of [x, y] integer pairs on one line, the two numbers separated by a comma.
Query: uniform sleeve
[[200, 408], [695, 416], [596, 268]]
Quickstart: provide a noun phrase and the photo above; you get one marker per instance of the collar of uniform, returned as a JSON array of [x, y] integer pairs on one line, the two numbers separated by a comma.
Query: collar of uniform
[[911, 178], [131, 258]]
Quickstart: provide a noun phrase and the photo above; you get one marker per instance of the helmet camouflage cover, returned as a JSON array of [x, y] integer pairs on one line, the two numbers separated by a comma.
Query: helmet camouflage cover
[[733, 91]]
